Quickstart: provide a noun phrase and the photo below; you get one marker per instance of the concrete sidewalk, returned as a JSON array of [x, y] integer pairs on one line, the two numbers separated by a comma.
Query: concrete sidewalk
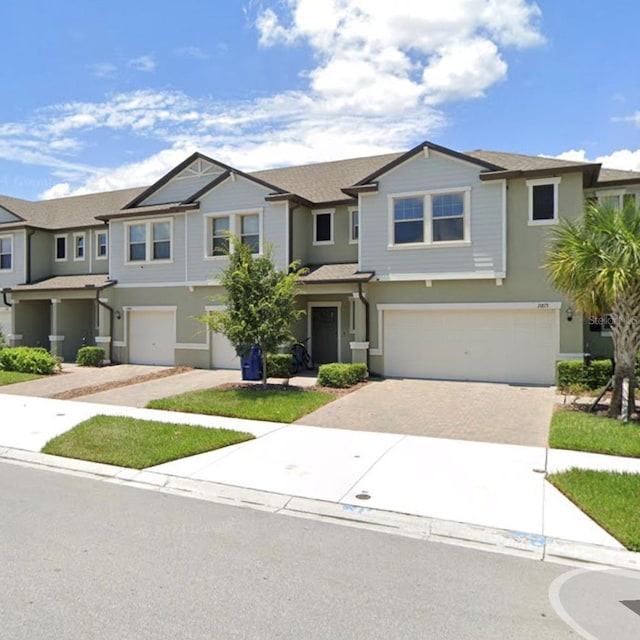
[[356, 475]]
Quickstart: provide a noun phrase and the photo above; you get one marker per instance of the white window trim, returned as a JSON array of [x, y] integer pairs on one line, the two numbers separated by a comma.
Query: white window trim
[[331, 212], [353, 210], [537, 183], [235, 227], [427, 210], [97, 244], [10, 238], [55, 247], [83, 257], [148, 241]]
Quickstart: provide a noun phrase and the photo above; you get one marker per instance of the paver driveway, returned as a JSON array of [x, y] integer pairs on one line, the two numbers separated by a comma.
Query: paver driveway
[[480, 411]]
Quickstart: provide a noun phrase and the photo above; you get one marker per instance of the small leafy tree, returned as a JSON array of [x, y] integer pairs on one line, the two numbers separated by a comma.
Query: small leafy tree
[[259, 301], [596, 262]]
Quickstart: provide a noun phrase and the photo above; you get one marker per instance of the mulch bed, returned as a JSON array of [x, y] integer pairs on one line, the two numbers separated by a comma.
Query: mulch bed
[[272, 386], [107, 386]]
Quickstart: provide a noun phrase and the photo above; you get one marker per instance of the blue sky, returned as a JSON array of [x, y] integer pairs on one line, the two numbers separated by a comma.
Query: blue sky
[[108, 95]]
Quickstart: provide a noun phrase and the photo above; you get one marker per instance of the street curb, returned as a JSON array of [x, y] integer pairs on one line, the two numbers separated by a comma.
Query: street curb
[[518, 543]]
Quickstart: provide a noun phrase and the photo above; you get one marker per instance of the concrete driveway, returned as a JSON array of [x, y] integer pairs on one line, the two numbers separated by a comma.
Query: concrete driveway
[[480, 411]]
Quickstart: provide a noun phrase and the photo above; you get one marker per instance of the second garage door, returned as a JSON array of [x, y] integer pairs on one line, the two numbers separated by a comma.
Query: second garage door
[[497, 345], [152, 337], [223, 355]]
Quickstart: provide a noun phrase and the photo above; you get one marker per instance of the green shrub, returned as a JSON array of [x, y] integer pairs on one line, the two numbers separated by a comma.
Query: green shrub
[[341, 375], [90, 356], [574, 373], [278, 365], [27, 360]]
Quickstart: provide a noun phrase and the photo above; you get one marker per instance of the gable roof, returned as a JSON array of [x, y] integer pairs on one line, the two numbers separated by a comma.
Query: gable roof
[[615, 177]]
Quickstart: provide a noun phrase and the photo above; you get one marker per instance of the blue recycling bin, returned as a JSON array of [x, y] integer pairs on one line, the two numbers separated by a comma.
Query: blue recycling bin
[[251, 364]]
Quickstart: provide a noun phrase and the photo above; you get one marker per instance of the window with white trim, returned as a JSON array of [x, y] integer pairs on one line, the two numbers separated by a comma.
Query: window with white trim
[[616, 199], [354, 226], [6, 253], [250, 231], [79, 240], [102, 245], [437, 217], [543, 200], [149, 241], [61, 247], [323, 227], [220, 230]]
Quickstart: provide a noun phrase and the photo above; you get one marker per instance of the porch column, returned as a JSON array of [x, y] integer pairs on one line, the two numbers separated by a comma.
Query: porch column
[[103, 339], [14, 339], [55, 338], [359, 347]]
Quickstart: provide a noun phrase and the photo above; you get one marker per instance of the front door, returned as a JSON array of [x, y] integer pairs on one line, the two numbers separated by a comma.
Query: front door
[[324, 334]]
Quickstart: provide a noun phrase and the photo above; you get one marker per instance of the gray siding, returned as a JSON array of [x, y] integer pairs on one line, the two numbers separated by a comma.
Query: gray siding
[[300, 233], [7, 216], [420, 174], [17, 274], [70, 266], [235, 196], [41, 255], [340, 250], [179, 189], [147, 272]]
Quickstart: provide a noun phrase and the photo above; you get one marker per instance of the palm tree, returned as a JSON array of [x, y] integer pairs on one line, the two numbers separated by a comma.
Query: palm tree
[[595, 261]]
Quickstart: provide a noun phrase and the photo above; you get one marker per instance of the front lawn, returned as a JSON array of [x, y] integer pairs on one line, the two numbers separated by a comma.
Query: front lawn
[[583, 431], [11, 377], [612, 499], [129, 442], [252, 403]]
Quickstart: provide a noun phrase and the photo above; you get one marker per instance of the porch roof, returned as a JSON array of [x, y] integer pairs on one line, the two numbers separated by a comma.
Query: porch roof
[[346, 272], [68, 283]]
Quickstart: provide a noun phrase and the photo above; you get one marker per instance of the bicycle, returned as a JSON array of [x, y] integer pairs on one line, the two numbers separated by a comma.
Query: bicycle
[[300, 357]]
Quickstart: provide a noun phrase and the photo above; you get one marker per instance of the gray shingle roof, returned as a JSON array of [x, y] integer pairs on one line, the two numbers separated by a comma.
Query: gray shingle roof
[[324, 181], [522, 162], [346, 272], [67, 282], [615, 175]]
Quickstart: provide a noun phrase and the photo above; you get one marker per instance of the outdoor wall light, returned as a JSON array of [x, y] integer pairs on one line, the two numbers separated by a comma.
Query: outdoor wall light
[[569, 313], [118, 315]]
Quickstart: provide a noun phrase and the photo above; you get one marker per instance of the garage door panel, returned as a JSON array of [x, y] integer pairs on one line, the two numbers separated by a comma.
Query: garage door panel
[[491, 345], [223, 355], [152, 337]]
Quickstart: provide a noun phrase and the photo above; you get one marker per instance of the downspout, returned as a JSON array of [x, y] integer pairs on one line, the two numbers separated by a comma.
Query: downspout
[[365, 302], [4, 297], [30, 234]]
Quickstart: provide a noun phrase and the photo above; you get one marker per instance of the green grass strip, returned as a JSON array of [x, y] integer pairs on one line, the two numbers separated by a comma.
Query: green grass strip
[[129, 442], [582, 431], [12, 377], [610, 498], [273, 405]]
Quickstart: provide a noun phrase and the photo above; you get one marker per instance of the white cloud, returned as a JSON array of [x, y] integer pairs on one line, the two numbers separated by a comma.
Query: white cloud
[[104, 70], [625, 159], [382, 75], [193, 52], [60, 190], [142, 63]]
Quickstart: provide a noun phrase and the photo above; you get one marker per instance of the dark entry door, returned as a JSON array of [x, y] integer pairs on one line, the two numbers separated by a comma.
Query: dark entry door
[[324, 334]]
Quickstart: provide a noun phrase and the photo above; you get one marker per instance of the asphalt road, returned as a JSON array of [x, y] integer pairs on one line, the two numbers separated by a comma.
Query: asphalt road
[[89, 559]]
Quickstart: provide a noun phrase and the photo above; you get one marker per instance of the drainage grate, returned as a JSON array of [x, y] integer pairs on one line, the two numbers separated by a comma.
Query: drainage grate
[[364, 495], [634, 605]]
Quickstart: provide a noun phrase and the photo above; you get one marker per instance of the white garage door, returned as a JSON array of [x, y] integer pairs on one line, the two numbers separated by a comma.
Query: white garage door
[[223, 355], [152, 337], [492, 345]]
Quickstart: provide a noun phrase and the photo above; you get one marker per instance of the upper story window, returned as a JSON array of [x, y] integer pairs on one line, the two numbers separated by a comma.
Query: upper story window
[[543, 200], [437, 217], [102, 245], [617, 199], [78, 246], [60, 248], [245, 225], [6, 253], [149, 241], [323, 227], [354, 226]]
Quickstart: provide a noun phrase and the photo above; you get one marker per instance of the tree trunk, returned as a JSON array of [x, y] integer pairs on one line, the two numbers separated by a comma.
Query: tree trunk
[[626, 341], [263, 357]]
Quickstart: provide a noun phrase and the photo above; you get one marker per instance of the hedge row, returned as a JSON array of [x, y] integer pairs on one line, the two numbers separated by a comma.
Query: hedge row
[[341, 375], [577, 373], [27, 360], [90, 356]]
